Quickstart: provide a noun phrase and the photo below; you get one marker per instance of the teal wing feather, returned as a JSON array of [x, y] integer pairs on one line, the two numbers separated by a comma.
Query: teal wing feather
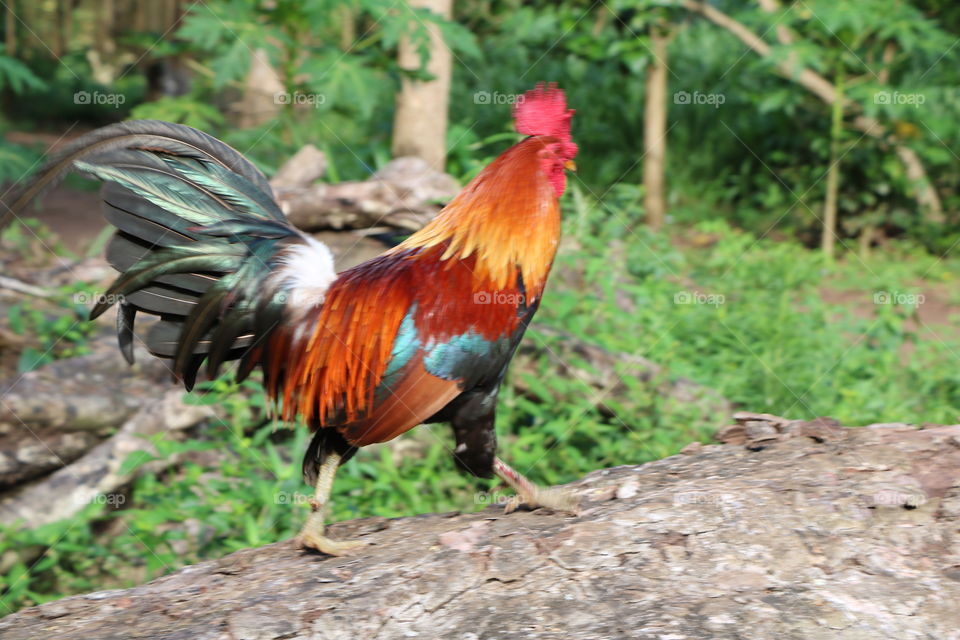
[[467, 358]]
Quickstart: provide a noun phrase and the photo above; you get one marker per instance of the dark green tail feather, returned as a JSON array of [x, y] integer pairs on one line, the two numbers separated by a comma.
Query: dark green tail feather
[[198, 234], [124, 251], [175, 139]]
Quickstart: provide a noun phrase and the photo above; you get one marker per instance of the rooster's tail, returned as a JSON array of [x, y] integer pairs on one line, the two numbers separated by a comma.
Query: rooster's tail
[[200, 242]]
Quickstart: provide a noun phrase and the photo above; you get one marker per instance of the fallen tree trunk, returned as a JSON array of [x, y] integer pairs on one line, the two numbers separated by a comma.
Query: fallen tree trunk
[[405, 194], [50, 416], [834, 533], [99, 473]]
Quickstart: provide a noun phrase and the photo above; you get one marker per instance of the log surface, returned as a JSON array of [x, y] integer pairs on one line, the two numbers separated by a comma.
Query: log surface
[[816, 533]]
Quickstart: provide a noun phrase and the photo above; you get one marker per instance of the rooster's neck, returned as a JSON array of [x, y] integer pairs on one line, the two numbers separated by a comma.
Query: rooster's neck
[[506, 219]]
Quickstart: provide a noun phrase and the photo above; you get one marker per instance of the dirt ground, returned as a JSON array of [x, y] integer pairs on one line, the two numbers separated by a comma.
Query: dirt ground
[[73, 215]]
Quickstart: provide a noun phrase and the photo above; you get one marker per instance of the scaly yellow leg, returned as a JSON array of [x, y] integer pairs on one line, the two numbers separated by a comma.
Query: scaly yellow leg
[[311, 535], [533, 496]]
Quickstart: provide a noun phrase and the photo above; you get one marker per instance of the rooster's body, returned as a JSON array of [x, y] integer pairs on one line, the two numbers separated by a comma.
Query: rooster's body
[[423, 333]]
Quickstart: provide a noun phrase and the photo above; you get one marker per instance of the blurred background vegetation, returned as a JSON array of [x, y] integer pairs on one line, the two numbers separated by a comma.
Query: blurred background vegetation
[[767, 204]]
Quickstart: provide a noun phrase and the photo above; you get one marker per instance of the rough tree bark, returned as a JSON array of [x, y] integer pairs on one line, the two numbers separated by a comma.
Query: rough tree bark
[[801, 530], [420, 124], [10, 29], [405, 194], [926, 194], [263, 94], [655, 130], [51, 416]]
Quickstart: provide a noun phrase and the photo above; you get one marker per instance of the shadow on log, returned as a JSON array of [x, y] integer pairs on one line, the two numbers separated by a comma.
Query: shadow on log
[[819, 532]]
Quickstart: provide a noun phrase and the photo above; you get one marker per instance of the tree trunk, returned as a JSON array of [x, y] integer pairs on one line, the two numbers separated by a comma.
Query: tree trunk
[[66, 24], [348, 27], [60, 16], [259, 102], [105, 43], [655, 130], [420, 124], [866, 240], [140, 19], [10, 34], [793, 530], [827, 241]]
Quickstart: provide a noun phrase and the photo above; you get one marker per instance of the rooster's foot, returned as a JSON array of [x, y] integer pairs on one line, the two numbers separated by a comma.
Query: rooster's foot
[[312, 537], [553, 498], [323, 544]]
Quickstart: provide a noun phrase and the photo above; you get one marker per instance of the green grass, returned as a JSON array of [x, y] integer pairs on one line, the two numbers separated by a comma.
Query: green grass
[[58, 326], [753, 327]]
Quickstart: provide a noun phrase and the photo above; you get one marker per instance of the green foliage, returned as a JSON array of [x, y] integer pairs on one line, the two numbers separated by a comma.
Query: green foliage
[[58, 327], [337, 63], [762, 333], [183, 110], [757, 159], [69, 93], [16, 161], [16, 76], [760, 158], [31, 241]]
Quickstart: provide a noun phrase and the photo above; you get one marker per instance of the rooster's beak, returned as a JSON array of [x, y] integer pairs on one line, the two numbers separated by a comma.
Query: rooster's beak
[[570, 165]]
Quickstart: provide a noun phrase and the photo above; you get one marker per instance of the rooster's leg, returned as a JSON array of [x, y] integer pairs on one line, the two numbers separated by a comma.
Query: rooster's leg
[[533, 496], [311, 535]]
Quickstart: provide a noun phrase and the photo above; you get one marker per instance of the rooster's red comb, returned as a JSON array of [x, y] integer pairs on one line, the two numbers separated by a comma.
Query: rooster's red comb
[[543, 112]]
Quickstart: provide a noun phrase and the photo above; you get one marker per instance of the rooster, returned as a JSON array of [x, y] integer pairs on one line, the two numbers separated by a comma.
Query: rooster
[[423, 333]]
